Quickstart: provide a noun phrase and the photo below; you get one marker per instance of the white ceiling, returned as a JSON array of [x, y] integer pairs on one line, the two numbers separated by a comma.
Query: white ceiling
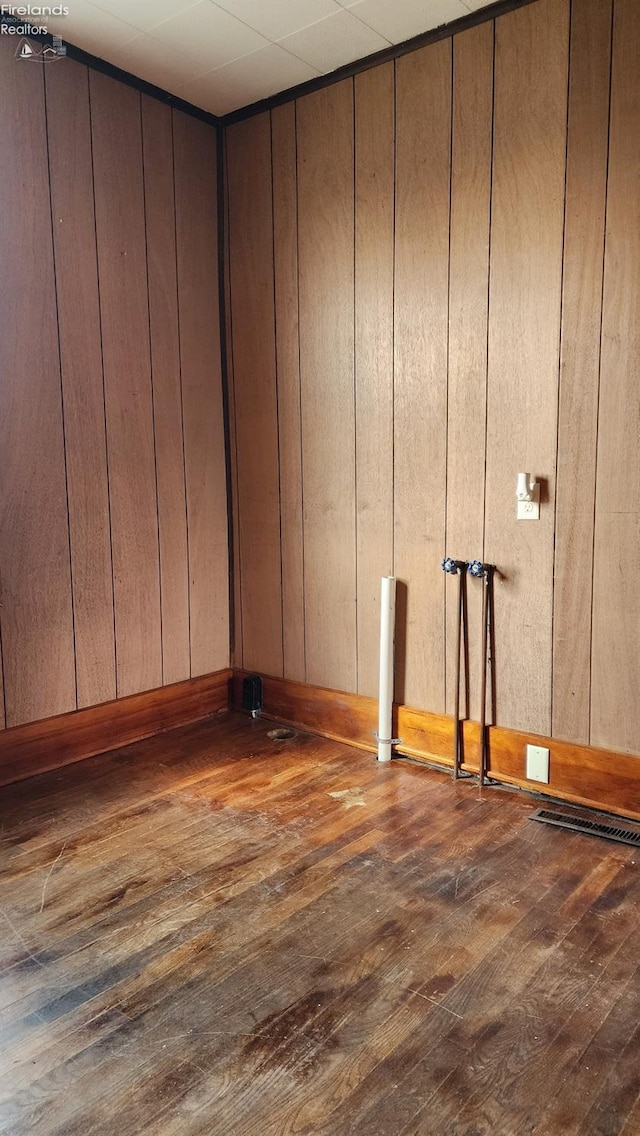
[[225, 54]]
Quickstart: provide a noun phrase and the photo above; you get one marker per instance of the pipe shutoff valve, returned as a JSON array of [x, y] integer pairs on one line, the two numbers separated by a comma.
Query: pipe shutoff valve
[[452, 566], [476, 568]]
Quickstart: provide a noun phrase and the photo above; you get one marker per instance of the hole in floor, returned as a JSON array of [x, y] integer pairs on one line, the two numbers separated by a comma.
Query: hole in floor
[[282, 734]]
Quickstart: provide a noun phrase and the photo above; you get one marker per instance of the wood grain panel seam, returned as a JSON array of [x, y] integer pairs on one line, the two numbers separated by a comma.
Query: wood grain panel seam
[[235, 560], [62, 413], [255, 327], [354, 370], [560, 326], [595, 472], [122, 256], [2, 682], [448, 349], [184, 458], [373, 267], [222, 238], [104, 392], [589, 76], [151, 383], [530, 117], [326, 275], [393, 319], [302, 540], [486, 387], [277, 392], [198, 260], [227, 234]]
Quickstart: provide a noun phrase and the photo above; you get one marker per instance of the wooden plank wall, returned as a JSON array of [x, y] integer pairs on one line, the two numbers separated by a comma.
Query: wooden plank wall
[[616, 597], [423, 178], [586, 190], [195, 177], [327, 380], [525, 282], [285, 271], [471, 150], [105, 348], [456, 263], [374, 277], [37, 618], [250, 222]]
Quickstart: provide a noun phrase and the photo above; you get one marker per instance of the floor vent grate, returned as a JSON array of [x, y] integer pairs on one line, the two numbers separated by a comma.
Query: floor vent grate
[[590, 827]]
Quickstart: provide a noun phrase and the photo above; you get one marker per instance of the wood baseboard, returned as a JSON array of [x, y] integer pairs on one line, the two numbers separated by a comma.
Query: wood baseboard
[[582, 775], [41, 746]]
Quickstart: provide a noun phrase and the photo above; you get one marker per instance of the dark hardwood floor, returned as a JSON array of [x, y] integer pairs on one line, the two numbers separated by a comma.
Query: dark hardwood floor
[[213, 932]]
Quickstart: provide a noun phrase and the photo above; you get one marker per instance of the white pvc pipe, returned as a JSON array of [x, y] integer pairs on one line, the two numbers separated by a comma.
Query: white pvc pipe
[[387, 644]]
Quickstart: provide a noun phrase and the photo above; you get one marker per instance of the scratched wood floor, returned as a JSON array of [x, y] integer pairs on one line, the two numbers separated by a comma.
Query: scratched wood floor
[[212, 932]]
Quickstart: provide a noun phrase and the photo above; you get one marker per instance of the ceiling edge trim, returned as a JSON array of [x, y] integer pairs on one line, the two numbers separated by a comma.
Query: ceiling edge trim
[[97, 64], [491, 12]]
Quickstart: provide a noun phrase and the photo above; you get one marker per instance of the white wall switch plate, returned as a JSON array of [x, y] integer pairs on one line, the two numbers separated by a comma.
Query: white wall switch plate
[[537, 764]]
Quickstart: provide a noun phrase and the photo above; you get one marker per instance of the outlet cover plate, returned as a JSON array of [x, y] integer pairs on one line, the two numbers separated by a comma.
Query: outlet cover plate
[[537, 764], [528, 510]]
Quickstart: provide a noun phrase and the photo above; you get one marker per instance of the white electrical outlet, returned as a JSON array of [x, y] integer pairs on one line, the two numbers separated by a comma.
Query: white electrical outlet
[[537, 764], [527, 498], [528, 510]]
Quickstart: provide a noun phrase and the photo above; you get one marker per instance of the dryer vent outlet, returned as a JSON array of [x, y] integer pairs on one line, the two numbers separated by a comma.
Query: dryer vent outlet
[[252, 695]]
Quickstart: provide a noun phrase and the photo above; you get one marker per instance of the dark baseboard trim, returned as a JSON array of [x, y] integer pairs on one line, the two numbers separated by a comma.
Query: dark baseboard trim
[[580, 774], [38, 747]]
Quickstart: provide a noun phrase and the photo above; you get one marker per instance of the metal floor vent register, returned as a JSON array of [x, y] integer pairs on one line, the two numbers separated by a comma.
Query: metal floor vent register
[[589, 827]]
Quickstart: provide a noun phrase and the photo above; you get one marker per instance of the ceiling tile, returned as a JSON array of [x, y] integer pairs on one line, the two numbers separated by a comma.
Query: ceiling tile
[[246, 80], [208, 35], [91, 29], [278, 18], [143, 14], [334, 41], [219, 54], [400, 21], [206, 92], [151, 61]]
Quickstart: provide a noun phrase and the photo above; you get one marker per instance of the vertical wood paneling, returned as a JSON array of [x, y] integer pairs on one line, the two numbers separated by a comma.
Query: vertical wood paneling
[[74, 233], [36, 612], [615, 716], [526, 268], [236, 560], [326, 243], [285, 234], [468, 314], [497, 291], [167, 401], [92, 470], [199, 315], [588, 122], [423, 141], [120, 227], [374, 241], [254, 377]]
